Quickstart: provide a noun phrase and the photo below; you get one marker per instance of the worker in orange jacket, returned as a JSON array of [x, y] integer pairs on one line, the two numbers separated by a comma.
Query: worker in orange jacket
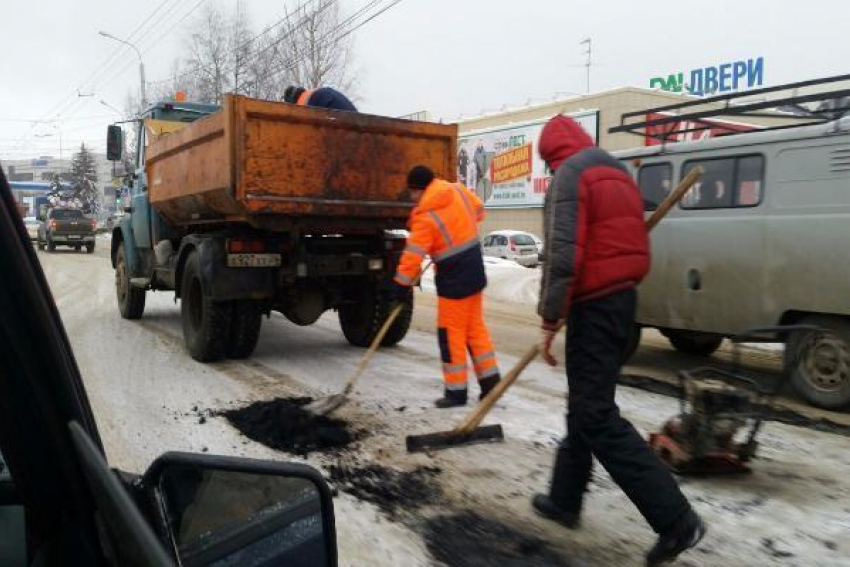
[[444, 226]]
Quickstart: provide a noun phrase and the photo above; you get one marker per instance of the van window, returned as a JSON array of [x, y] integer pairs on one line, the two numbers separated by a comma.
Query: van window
[[655, 183], [750, 180], [726, 183]]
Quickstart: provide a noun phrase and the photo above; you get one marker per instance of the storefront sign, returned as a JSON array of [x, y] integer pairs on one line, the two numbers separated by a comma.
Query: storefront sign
[[689, 130], [724, 78]]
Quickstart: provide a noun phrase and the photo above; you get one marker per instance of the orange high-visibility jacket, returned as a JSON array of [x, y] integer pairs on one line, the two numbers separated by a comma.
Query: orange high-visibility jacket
[[445, 226]]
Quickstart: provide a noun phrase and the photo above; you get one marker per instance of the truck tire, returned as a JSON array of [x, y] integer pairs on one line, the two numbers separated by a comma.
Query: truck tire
[[690, 342], [632, 344], [90, 248], [131, 300], [245, 323], [818, 365], [362, 320], [206, 323]]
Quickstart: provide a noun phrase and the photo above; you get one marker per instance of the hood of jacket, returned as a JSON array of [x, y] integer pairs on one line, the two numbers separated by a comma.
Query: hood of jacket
[[561, 138]]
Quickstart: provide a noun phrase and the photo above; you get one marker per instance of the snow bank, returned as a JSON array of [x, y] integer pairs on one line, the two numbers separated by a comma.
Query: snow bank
[[506, 281]]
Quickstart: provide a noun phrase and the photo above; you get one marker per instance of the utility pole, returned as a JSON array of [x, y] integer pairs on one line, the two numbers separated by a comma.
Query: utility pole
[[588, 63], [141, 64]]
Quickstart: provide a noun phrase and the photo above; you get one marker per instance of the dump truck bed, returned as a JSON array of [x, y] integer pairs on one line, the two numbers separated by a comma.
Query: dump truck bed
[[279, 165]]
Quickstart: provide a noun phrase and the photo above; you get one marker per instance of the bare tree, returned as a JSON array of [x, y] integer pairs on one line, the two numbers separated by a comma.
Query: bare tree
[[210, 54], [312, 48]]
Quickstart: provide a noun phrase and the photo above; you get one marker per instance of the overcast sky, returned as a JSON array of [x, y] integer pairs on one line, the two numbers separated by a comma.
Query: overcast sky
[[452, 57]]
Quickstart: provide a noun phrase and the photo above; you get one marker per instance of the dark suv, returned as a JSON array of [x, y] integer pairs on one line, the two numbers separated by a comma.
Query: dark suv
[[66, 227]]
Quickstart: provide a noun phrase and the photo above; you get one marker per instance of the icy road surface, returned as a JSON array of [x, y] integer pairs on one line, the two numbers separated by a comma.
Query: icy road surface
[[147, 395]]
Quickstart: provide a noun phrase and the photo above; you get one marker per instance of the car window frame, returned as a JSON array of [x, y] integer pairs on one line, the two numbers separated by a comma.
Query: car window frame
[[669, 165], [683, 171]]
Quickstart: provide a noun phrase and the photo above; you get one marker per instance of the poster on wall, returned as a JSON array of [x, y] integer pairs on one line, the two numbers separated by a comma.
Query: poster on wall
[[502, 165]]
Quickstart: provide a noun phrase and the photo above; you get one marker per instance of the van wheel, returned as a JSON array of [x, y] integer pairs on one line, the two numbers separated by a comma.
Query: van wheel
[[689, 342], [362, 320], [206, 323], [818, 364], [632, 344], [247, 318], [131, 300]]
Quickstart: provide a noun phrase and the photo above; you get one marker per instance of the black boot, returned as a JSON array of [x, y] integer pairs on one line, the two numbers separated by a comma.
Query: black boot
[[685, 534], [451, 399], [487, 384], [546, 508]]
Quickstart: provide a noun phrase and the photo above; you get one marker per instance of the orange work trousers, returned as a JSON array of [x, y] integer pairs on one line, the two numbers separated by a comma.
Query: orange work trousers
[[461, 329]]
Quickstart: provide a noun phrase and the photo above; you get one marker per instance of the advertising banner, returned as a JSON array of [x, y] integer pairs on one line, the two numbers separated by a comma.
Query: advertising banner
[[502, 165]]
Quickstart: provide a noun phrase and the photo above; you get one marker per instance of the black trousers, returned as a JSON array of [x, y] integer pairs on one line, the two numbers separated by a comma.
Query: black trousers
[[596, 337]]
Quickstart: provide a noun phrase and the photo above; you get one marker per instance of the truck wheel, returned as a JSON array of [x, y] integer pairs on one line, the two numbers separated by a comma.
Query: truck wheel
[[690, 342], [90, 248], [131, 300], [818, 364], [362, 320], [632, 344], [247, 318], [398, 330], [206, 323]]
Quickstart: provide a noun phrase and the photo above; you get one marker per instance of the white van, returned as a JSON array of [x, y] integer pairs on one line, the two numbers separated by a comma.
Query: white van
[[762, 240]]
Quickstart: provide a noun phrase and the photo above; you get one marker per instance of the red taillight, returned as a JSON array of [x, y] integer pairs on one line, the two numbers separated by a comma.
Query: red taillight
[[513, 246], [53, 224], [92, 223], [239, 246]]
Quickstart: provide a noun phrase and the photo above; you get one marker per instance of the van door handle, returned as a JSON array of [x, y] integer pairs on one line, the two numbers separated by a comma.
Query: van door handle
[[694, 279]]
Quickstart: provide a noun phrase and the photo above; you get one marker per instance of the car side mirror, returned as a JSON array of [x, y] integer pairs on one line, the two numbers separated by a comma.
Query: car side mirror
[[233, 511], [114, 142]]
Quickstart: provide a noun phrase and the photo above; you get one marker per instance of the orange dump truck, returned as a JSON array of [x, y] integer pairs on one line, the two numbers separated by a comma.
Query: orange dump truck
[[258, 206]]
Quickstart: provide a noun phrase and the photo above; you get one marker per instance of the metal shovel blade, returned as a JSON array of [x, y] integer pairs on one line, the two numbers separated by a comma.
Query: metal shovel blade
[[327, 405], [448, 439]]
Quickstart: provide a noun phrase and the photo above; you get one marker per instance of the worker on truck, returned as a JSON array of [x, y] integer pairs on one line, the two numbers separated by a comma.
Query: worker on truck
[[324, 97], [444, 226], [596, 253]]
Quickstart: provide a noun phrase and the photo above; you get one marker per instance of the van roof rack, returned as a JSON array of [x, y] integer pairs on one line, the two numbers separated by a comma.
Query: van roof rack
[[782, 104]]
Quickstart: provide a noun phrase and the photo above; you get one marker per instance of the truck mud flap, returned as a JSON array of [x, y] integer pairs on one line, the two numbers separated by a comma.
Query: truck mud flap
[[223, 283]]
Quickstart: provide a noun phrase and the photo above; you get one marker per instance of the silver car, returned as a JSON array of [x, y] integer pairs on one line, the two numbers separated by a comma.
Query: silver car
[[512, 245]]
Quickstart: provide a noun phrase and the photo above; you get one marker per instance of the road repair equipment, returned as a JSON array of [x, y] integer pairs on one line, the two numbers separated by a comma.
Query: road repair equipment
[[329, 404], [720, 413], [468, 432]]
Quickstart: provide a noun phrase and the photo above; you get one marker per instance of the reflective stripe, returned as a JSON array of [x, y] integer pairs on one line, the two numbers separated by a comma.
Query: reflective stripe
[[403, 279], [413, 249], [455, 386], [451, 368], [484, 356], [454, 250], [494, 371], [443, 230], [461, 191]]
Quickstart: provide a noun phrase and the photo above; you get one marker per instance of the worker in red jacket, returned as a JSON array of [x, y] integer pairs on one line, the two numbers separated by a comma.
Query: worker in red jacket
[[444, 226], [596, 253]]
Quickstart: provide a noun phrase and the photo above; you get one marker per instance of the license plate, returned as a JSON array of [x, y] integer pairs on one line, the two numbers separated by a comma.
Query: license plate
[[529, 252], [74, 236], [253, 260]]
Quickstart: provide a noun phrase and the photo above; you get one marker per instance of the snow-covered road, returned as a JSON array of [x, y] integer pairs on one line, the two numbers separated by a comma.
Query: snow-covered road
[[794, 509]]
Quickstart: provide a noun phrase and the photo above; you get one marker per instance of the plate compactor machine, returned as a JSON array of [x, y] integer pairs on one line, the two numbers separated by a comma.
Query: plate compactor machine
[[721, 412]]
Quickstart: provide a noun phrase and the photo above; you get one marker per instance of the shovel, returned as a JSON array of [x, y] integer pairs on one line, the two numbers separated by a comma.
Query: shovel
[[329, 404], [467, 431]]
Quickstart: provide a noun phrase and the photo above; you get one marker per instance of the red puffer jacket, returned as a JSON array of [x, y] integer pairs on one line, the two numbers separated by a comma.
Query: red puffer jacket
[[595, 237]]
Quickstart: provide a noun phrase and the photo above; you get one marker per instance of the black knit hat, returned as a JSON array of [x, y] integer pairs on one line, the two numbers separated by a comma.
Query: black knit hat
[[292, 93], [419, 177]]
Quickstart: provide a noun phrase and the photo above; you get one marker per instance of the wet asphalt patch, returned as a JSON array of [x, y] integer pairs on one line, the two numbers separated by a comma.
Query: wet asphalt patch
[[467, 539], [285, 425], [780, 415], [390, 489]]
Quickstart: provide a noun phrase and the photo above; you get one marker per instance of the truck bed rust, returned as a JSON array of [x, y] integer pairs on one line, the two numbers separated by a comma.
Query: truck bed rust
[[279, 165]]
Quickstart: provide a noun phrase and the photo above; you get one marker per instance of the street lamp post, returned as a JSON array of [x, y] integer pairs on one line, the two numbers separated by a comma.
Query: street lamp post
[[141, 63]]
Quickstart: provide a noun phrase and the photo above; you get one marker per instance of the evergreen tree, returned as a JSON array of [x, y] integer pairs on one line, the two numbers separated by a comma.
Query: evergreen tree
[[84, 179]]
